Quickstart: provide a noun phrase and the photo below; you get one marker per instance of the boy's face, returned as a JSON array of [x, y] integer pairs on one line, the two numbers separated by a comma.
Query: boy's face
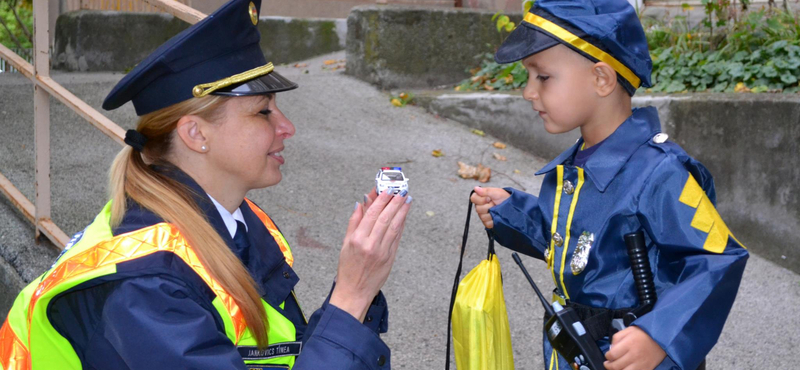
[[560, 87]]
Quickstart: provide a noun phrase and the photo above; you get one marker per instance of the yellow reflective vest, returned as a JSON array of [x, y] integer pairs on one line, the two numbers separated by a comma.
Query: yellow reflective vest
[[28, 339]]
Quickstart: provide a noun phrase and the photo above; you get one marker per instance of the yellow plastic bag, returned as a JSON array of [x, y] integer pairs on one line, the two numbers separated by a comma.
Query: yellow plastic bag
[[481, 336]]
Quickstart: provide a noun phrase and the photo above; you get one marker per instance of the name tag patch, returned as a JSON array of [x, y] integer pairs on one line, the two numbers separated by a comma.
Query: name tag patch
[[273, 351], [267, 367]]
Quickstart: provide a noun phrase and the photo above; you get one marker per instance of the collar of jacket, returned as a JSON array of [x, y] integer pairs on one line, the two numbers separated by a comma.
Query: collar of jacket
[[264, 261], [604, 164]]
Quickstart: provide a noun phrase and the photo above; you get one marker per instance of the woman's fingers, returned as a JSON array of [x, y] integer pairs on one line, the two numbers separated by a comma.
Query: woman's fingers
[[384, 220], [371, 214], [369, 198], [355, 218], [395, 231]]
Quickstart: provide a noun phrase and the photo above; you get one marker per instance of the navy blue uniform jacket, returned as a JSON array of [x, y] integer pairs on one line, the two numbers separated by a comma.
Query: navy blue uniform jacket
[[161, 316], [633, 182]]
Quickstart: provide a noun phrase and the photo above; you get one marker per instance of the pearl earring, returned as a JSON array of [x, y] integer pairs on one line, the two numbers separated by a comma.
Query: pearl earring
[[204, 148]]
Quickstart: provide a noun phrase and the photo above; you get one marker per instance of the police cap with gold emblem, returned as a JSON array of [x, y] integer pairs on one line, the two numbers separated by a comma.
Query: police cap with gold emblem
[[220, 55], [601, 30]]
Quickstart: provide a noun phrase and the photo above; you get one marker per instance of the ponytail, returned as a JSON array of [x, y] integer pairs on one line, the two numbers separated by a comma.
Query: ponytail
[[131, 177]]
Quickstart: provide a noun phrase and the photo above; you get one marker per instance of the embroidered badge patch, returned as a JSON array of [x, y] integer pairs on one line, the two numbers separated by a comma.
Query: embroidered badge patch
[[580, 257]]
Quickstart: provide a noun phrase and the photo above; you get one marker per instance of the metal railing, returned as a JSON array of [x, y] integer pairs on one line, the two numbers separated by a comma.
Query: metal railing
[[38, 212], [6, 67]]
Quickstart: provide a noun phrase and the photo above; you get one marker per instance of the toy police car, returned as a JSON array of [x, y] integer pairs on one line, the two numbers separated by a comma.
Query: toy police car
[[391, 178]]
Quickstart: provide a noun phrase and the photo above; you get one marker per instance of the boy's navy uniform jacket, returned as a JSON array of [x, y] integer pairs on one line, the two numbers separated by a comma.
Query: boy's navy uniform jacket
[[162, 317], [635, 180]]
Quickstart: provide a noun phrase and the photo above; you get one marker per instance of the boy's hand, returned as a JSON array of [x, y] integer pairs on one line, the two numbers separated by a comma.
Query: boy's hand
[[485, 198], [633, 349]]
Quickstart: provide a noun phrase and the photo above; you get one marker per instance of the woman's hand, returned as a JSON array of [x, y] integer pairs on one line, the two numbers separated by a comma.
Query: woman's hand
[[368, 251], [632, 348], [485, 198]]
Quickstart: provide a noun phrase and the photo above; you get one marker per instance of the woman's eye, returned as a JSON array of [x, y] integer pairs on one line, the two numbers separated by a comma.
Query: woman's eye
[[265, 112]]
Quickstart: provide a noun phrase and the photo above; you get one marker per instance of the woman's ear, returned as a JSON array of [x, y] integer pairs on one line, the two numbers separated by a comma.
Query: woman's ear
[[190, 130], [605, 79]]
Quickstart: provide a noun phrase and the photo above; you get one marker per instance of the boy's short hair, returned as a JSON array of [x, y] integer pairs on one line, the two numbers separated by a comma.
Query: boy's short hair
[[601, 30]]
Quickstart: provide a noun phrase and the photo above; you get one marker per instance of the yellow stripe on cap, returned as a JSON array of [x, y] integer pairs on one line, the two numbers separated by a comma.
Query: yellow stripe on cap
[[205, 89], [584, 46]]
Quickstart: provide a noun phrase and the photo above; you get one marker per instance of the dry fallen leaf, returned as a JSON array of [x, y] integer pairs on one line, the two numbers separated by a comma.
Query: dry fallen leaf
[[740, 87], [437, 153], [396, 102], [480, 173], [478, 132], [430, 213], [499, 145], [301, 65], [499, 157], [457, 88], [484, 173], [517, 171], [330, 61], [466, 171]]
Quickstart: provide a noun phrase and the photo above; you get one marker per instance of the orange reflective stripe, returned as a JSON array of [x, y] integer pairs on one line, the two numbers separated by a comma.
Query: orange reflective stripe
[[137, 244], [273, 230], [13, 353]]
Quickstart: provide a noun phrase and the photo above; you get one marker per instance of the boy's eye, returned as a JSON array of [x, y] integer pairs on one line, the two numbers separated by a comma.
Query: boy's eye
[[542, 78], [265, 112]]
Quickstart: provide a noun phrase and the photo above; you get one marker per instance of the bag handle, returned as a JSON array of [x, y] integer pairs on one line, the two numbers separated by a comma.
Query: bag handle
[[458, 275]]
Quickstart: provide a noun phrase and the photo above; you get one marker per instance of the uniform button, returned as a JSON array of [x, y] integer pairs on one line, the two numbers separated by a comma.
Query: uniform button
[[660, 138], [558, 239], [381, 360], [286, 274], [368, 319], [568, 188]]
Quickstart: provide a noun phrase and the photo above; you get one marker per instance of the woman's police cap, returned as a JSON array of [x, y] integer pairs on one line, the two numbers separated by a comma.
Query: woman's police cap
[[220, 55], [602, 30]]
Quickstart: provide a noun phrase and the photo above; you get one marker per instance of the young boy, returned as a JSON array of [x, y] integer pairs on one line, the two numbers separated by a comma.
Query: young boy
[[586, 58]]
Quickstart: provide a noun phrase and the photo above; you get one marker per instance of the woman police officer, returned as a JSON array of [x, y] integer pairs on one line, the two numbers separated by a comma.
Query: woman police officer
[[180, 270]]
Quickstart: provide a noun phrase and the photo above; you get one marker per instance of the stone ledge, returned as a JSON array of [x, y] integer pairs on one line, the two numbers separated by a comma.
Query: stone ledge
[[749, 142], [393, 46], [91, 41]]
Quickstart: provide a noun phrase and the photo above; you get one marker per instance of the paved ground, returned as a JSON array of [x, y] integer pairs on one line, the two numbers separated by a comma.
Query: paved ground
[[346, 129]]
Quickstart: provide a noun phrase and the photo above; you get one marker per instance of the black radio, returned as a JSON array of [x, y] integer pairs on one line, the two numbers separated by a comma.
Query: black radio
[[566, 333]]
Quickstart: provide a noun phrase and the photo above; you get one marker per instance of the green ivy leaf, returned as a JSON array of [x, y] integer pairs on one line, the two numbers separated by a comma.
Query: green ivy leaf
[[501, 22], [527, 6], [675, 86], [769, 71], [788, 78]]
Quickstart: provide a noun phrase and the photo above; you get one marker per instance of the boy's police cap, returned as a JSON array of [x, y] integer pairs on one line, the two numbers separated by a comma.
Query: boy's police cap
[[219, 55], [602, 30]]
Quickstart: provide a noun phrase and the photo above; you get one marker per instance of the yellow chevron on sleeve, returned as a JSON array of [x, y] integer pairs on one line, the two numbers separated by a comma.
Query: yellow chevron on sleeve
[[706, 218]]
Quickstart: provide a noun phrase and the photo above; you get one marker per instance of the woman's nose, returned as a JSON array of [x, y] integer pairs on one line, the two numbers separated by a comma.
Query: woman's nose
[[285, 127]]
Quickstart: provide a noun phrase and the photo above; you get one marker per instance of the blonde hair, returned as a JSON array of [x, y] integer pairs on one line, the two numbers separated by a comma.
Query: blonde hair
[[131, 177]]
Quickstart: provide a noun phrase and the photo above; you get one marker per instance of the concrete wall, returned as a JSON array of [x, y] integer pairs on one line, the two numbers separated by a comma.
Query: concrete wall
[[749, 142], [117, 41], [392, 46]]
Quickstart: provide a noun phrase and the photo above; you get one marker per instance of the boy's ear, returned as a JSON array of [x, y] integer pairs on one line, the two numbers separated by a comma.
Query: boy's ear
[[605, 79]]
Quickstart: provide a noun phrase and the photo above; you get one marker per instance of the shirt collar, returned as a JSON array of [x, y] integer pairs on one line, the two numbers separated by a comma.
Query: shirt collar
[[605, 163], [229, 218]]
